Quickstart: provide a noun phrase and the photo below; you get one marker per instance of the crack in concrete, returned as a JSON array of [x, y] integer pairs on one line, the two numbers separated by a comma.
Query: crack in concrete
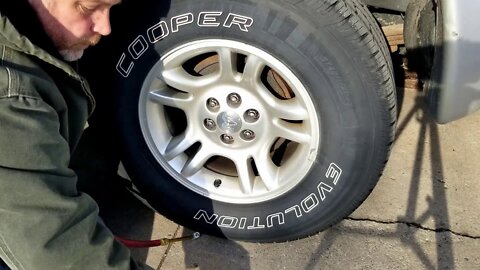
[[413, 224], [165, 254]]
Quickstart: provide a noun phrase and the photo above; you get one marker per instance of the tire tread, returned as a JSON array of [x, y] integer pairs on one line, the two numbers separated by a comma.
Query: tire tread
[[356, 15]]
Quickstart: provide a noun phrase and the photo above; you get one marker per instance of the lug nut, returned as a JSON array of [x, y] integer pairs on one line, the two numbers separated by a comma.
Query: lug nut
[[209, 124], [217, 183], [248, 135], [234, 99], [227, 139], [212, 103], [251, 115]]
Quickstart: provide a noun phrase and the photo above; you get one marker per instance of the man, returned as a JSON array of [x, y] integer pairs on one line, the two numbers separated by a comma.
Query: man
[[45, 222]]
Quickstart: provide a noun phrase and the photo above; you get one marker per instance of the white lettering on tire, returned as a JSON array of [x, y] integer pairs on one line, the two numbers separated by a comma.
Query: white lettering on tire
[[138, 47], [121, 69], [203, 214], [280, 217], [209, 19], [333, 172], [153, 37], [295, 208], [227, 222], [256, 224], [242, 22], [180, 20], [309, 203], [322, 187], [163, 29], [306, 205]]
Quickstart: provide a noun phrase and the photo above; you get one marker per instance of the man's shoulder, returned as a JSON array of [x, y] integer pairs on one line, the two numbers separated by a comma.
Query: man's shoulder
[[21, 75]]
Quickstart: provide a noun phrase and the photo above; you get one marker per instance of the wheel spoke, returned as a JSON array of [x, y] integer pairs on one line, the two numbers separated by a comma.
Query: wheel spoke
[[196, 162], [178, 145], [268, 171], [291, 131], [253, 69], [171, 98], [228, 64], [179, 79], [290, 109], [246, 175]]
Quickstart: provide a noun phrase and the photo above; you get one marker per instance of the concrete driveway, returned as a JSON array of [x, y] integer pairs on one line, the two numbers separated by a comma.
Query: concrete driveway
[[423, 214]]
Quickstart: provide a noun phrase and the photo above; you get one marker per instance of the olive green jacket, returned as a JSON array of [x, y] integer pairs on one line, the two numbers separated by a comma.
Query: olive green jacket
[[45, 223]]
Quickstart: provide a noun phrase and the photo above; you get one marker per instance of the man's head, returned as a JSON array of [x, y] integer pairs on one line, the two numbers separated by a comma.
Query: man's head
[[74, 25]]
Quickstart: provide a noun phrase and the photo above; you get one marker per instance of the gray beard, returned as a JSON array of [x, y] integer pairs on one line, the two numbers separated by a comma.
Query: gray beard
[[70, 55]]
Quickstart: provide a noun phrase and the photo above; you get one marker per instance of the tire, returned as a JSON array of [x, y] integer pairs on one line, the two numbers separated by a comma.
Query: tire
[[424, 38], [420, 34], [252, 120]]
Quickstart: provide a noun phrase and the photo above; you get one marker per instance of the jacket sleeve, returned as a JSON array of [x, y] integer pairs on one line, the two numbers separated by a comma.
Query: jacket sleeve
[[45, 223]]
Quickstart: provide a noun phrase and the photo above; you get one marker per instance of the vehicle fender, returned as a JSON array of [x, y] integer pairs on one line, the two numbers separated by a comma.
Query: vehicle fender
[[454, 89]]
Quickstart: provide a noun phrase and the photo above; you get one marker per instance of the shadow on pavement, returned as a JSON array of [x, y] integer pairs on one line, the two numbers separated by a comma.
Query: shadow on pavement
[[410, 223], [438, 211], [216, 253]]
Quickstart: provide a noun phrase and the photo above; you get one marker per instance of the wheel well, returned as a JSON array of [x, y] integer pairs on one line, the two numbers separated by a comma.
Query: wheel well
[[397, 5]]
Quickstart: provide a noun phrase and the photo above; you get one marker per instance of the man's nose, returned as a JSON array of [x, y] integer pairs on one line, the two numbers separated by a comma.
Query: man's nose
[[101, 22]]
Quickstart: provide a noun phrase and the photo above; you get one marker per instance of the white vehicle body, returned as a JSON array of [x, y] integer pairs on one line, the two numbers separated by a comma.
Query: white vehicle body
[[459, 80]]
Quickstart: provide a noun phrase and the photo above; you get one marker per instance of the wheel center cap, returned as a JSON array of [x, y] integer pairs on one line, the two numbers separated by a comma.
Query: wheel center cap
[[229, 121]]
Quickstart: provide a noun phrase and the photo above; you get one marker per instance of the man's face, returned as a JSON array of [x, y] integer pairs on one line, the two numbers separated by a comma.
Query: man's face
[[74, 25]]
